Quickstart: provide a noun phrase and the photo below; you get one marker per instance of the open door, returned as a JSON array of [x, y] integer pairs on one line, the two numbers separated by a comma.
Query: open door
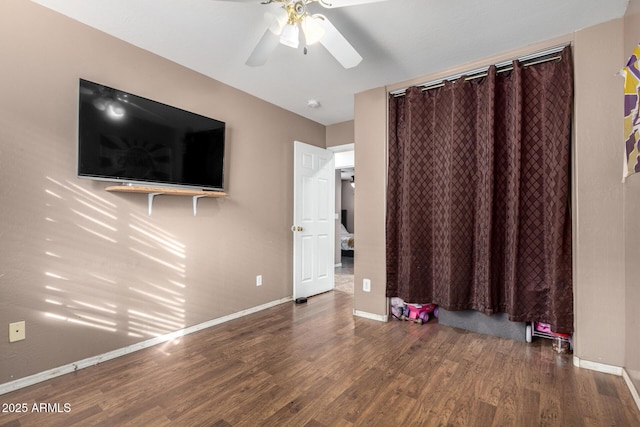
[[313, 220]]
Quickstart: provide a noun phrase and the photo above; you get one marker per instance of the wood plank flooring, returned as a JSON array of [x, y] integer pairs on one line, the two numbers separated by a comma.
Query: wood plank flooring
[[317, 365]]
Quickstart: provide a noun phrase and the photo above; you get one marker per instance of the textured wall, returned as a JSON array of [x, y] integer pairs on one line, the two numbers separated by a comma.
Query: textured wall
[[340, 134], [371, 165], [599, 237], [88, 270], [632, 225]]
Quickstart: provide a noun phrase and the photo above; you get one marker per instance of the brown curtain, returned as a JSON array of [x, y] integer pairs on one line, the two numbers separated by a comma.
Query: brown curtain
[[478, 202]]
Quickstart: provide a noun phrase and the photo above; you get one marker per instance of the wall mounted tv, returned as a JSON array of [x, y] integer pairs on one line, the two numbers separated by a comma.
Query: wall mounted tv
[[130, 139]]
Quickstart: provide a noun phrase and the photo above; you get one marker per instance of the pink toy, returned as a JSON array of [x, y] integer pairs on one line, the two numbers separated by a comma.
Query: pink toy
[[562, 342], [543, 327], [419, 313]]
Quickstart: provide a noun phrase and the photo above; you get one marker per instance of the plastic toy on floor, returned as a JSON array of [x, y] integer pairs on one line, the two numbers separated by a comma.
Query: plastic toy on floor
[[419, 313], [397, 308], [562, 342], [416, 313]]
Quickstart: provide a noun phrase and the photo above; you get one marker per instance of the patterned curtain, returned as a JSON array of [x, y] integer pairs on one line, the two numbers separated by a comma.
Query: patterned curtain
[[478, 200]]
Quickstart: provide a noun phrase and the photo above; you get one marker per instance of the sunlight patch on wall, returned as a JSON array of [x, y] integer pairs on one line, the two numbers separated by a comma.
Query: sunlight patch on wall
[[110, 310], [157, 318], [167, 244], [178, 284], [51, 193], [102, 278], [81, 192], [54, 276], [169, 291], [94, 220], [168, 301], [180, 268], [93, 279], [165, 311], [80, 322], [96, 209], [77, 296], [95, 233]]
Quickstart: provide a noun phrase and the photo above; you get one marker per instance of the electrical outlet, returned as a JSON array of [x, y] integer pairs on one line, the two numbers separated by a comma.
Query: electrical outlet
[[259, 280], [366, 285], [17, 331]]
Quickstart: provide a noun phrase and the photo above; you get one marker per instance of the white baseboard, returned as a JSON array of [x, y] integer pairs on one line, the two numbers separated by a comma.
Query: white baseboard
[[91, 361], [595, 366], [632, 388], [378, 317]]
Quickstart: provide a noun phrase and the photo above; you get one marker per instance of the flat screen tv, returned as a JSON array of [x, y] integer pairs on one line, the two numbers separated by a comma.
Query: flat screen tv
[[130, 139]]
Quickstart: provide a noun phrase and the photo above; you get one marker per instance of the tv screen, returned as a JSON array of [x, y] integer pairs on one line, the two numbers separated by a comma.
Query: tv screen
[[127, 138]]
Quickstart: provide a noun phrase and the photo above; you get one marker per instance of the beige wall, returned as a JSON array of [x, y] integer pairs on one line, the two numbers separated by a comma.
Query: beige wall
[[632, 9], [340, 134], [370, 163], [632, 226], [88, 270], [599, 245], [600, 285]]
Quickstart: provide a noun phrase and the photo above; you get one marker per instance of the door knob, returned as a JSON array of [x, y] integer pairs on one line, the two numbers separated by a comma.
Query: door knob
[[294, 228]]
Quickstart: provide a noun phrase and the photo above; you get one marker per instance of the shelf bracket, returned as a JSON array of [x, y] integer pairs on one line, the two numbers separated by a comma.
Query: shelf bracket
[[195, 204], [150, 197]]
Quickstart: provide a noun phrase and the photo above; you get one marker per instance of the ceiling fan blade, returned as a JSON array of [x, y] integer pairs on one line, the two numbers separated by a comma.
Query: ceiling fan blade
[[275, 21], [337, 45], [331, 4], [263, 49]]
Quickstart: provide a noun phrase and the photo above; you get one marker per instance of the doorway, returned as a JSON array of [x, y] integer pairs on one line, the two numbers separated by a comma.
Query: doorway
[[345, 227]]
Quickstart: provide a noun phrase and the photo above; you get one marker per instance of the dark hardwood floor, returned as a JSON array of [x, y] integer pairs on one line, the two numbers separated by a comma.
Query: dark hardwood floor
[[317, 365]]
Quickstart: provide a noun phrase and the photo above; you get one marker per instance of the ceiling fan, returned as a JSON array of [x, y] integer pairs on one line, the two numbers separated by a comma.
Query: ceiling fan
[[284, 20]]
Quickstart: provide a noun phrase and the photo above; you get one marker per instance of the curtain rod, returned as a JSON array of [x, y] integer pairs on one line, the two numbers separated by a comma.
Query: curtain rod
[[532, 59]]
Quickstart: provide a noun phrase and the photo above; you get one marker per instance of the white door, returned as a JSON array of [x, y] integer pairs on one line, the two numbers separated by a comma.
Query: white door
[[313, 220]]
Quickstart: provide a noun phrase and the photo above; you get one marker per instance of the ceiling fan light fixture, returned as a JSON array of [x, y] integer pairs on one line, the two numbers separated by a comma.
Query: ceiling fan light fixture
[[313, 32], [290, 36], [284, 20]]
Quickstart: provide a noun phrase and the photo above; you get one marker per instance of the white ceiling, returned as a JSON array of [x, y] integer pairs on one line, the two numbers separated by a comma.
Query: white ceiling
[[398, 39]]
